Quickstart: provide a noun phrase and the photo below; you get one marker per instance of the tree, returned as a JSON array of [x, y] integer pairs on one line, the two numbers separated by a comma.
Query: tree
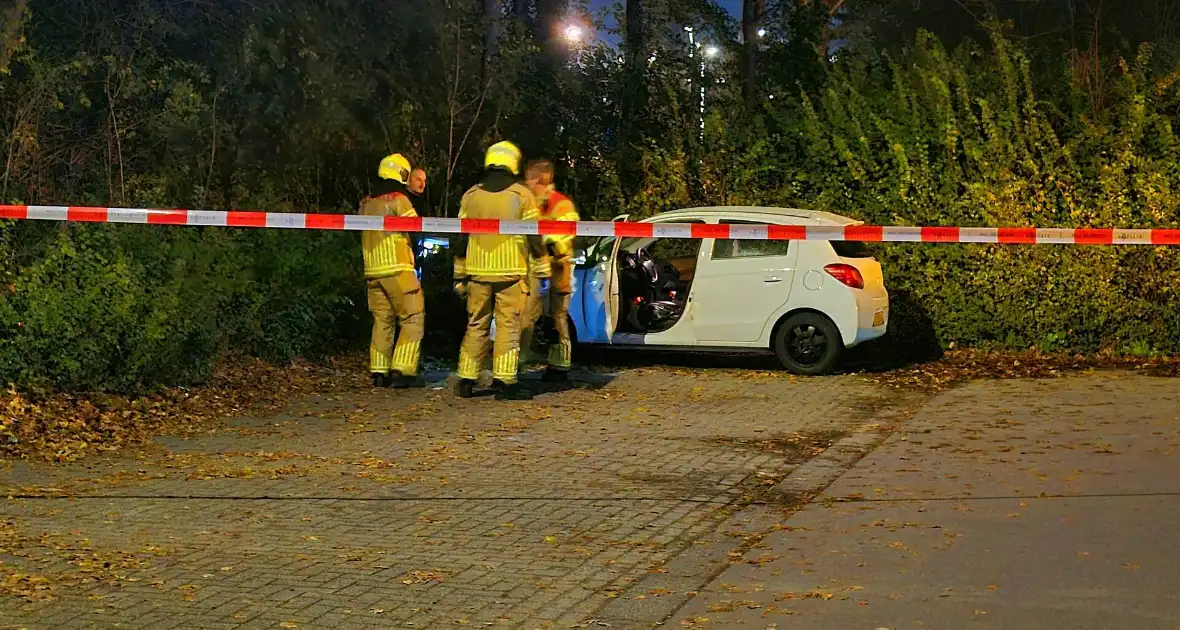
[[635, 98], [753, 12]]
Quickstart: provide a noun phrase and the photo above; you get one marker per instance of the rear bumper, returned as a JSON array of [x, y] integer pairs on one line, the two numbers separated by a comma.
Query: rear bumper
[[872, 319]]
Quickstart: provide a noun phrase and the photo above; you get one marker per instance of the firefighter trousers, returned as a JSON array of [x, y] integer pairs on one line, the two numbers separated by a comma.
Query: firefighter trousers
[[558, 304], [397, 297], [503, 300]]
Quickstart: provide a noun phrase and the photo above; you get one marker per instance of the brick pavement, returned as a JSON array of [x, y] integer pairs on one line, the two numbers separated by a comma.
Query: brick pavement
[[1002, 504], [392, 509]]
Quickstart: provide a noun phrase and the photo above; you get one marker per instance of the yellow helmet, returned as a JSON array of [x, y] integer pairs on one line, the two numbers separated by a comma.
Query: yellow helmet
[[395, 167], [503, 154]]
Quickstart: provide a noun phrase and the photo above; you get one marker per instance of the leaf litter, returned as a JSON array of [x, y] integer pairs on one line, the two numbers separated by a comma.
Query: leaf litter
[[65, 427], [38, 566], [958, 366]]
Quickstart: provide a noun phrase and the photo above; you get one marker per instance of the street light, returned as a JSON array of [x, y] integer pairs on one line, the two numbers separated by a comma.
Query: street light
[[712, 51], [574, 33], [761, 32]]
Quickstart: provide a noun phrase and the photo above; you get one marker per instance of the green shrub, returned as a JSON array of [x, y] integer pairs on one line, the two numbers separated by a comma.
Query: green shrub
[[129, 307], [963, 140]]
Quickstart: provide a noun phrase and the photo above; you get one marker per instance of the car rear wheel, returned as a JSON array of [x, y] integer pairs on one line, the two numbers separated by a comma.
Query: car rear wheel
[[808, 344]]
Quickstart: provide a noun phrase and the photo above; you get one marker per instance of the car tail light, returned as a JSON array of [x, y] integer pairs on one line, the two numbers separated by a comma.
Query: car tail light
[[847, 275], [637, 300]]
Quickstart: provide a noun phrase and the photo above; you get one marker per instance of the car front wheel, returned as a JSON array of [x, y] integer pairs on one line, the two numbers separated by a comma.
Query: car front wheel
[[808, 344]]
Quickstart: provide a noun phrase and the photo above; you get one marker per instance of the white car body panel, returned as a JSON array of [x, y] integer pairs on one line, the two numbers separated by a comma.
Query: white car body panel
[[735, 303]]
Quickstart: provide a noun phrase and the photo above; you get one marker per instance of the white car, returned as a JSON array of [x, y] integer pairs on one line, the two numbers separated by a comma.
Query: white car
[[805, 301]]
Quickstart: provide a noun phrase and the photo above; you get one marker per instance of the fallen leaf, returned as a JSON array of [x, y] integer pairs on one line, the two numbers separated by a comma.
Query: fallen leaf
[[422, 577]]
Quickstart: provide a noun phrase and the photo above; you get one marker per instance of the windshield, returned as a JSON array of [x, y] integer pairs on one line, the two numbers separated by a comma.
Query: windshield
[[597, 251]]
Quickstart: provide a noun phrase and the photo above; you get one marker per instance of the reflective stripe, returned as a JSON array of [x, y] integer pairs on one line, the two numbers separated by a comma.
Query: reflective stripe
[[508, 257], [379, 362], [405, 357], [563, 210], [387, 253], [468, 366], [496, 254], [504, 366], [560, 354]]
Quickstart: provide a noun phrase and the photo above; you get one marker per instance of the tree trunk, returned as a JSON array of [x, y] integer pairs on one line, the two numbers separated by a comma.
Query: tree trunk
[[493, 14], [520, 9], [549, 16], [634, 100], [752, 14]]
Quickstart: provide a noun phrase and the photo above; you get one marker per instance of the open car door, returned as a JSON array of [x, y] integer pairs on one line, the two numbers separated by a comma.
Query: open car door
[[612, 284], [600, 290]]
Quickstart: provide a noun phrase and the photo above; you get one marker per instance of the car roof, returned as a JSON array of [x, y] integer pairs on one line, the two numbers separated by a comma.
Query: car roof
[[785, 215]]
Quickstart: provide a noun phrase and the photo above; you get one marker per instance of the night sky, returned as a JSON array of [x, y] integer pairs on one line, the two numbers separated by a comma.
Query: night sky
[[733, 6]]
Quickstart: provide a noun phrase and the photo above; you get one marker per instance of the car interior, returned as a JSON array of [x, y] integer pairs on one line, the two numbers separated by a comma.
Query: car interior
[[654, 280]]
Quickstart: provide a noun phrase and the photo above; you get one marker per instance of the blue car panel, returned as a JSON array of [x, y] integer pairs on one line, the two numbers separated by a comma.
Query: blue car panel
[[588, 304]]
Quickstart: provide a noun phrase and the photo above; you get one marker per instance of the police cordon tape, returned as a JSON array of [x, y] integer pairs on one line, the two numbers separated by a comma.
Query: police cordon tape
[[351, 222]]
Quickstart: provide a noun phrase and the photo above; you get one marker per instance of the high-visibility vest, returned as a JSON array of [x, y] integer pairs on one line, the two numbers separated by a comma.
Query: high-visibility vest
[[496, 255], [559, 207], [387, 253]]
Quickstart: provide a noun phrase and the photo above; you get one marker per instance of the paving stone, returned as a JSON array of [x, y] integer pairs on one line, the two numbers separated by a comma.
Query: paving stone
[[424, 508], [1073, 481]]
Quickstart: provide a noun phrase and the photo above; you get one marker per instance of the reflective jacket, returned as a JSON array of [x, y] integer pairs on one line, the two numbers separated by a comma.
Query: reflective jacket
[[558, 207], [387, 253], [492, 257]]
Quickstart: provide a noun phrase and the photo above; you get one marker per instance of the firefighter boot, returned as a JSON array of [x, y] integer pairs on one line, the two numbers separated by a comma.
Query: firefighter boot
[[513, 391], [556, 376], [381, 380], [465, 388], [402, 381]]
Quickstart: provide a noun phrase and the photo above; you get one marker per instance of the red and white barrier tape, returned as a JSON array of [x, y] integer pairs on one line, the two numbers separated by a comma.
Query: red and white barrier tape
[[866, 233]]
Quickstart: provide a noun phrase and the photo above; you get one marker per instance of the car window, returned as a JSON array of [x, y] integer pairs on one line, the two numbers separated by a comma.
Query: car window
[[598, 250], [851, 249], [728, 248], [672, 248], [665, 248]]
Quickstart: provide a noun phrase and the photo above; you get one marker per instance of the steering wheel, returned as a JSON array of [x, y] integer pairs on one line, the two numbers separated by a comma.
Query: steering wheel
[[640, 259], [649, 266], [634, 259]]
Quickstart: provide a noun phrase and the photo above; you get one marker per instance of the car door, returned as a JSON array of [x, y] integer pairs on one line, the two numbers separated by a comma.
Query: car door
[[673, 246], [599, 291], [740, 286]]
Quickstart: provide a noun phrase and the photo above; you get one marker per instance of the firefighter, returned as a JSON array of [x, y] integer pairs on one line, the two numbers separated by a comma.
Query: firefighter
[[492, 270], [393, 289], [553, 293]]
